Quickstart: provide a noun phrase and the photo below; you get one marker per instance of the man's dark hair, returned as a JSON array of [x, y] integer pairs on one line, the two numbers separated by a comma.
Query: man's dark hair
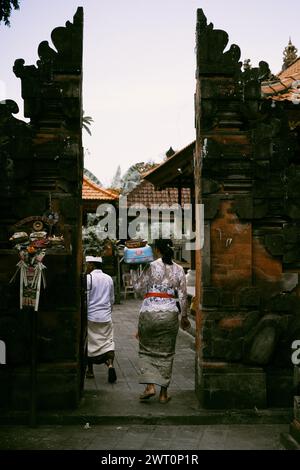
[[97, 264]]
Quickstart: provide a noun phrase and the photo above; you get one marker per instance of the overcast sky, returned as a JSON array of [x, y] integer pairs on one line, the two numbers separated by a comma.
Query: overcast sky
[[139, 65]]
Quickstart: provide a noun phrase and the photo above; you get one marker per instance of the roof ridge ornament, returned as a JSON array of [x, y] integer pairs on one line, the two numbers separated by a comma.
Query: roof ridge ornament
[[289, 55]]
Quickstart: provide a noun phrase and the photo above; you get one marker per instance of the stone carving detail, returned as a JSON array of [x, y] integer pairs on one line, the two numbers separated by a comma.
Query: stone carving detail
[[38, 84], [211, 44], [15, 163]]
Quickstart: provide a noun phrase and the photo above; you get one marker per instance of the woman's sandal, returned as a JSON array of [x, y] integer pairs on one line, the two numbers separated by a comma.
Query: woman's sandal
[[146, 396], [163, 401]]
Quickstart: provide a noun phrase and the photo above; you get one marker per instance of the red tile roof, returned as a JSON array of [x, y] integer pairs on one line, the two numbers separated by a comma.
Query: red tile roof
[[286, 87], [291, 70], [146, 194], [92, 191]]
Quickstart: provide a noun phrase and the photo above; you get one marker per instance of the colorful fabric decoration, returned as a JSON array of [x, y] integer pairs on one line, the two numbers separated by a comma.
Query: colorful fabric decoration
[[31, 268]]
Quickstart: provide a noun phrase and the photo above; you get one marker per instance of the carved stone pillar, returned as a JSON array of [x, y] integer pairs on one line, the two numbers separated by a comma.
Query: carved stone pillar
[[250, 300], [43, 169]]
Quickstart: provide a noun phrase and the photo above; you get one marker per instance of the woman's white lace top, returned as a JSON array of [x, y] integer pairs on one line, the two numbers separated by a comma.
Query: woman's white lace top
[[163, 278]]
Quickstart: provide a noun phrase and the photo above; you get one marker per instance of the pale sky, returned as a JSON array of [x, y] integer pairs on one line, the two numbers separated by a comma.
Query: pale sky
[[139, 65]]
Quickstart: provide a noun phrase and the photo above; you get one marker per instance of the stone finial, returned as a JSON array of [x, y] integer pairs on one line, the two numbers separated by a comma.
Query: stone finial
[[170, 152], [51, 88], [210, 48], [289, 55], [247, 64]]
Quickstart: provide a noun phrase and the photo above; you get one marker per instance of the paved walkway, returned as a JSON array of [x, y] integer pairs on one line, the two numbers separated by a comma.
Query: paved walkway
[[125, 317], [111, 416], [143, 437]]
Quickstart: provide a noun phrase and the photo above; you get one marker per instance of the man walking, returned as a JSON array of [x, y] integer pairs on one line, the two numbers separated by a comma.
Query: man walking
[[100, 299]]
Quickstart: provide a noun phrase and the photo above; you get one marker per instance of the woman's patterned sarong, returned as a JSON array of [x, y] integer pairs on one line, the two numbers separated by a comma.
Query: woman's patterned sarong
[[157, 339]]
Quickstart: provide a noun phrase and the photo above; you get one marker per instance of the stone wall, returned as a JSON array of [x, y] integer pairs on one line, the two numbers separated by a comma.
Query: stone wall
[[250, 303]]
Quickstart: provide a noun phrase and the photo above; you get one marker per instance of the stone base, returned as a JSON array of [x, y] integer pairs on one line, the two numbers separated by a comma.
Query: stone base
[[291, 441], [231, 386], [295, 430], [297, 408], [59, 386], [280, 388]]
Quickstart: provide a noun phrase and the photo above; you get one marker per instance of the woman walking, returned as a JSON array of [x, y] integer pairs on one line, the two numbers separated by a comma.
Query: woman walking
[[163, 285]]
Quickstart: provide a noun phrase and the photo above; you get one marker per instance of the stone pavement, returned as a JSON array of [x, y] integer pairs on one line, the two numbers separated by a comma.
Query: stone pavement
[[143, 437], [125, 317], [111, 416]]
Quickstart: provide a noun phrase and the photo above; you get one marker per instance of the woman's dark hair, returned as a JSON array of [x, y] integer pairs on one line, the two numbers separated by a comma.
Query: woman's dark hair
[[165, 247]]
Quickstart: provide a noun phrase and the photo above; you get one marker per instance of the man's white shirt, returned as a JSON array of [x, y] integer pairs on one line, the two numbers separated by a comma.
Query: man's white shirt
[[100, 296]]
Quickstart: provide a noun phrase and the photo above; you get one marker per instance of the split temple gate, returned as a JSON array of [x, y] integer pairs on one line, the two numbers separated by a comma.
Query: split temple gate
[[248, 148], [41, 171], [248, 156]]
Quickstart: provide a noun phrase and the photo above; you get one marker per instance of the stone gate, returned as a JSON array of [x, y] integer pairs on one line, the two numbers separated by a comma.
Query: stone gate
[[41, 170], [250, 156]]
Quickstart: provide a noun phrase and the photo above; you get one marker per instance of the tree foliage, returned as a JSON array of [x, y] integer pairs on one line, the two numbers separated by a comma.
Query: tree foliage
[[91, 176], [116, 182], [131, 179], [6, 7], [134, 175], [86, 122], [143, 167], [93, 243]]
